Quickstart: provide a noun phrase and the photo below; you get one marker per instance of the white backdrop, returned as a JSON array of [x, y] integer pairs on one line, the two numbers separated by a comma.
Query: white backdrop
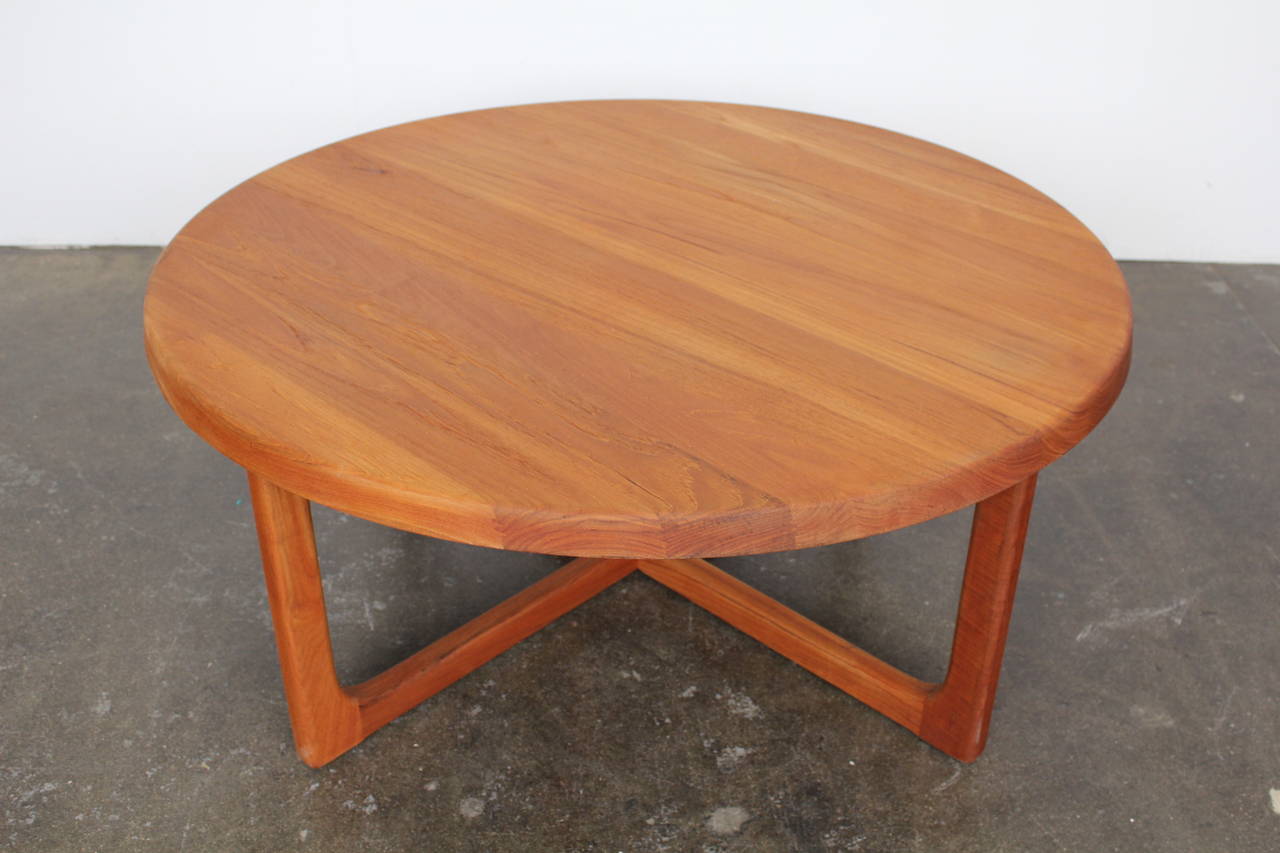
[[1157, 123]]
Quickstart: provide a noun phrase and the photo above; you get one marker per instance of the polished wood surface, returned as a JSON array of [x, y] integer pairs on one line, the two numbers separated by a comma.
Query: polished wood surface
[[638, 328], [328, 719]]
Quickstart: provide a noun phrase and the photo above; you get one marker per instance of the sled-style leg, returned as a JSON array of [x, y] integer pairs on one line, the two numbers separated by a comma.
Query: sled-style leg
[[329, 719], [952, 716]]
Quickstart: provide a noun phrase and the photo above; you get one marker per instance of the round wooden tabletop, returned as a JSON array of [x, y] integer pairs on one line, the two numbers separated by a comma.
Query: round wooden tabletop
[[638, 328]]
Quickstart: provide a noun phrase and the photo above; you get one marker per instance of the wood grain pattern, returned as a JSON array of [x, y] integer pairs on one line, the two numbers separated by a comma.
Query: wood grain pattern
[[638, 328]]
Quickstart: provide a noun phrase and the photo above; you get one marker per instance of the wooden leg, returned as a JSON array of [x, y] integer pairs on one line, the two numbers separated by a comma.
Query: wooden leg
[[326, 721], [952, 716], [958, 712], [329, 719]]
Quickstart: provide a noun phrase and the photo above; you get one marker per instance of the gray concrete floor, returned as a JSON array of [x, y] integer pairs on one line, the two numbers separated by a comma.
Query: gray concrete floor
[[141, 705]]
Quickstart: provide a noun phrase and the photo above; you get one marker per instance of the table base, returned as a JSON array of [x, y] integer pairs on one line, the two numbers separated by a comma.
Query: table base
[[329, 719]]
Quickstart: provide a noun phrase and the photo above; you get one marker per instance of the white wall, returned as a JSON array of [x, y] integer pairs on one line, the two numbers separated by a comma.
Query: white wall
[[1157, 123]]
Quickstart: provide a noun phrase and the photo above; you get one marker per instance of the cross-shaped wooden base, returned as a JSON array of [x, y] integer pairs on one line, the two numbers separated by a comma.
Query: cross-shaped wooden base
[[329, 719]]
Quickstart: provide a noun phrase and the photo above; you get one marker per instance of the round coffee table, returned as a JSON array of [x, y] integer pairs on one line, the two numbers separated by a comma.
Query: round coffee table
[[640, 333]]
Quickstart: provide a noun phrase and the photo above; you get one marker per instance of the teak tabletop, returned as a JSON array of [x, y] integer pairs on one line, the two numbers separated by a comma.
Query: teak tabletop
[[641, 330]]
